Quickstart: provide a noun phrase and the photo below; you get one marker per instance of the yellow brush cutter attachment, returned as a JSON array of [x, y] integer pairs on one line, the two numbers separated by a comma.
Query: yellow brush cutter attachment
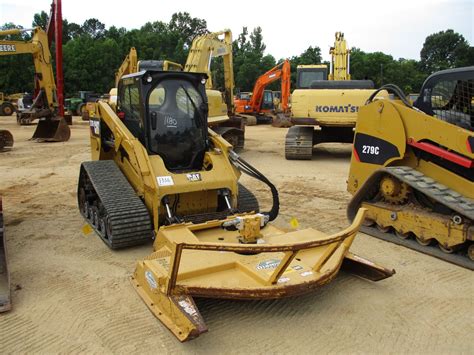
[[241, 257], [52, 130]]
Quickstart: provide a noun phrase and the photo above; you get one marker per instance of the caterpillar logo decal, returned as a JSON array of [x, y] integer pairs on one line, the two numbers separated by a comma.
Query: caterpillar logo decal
[[338, 108], [373, 150]]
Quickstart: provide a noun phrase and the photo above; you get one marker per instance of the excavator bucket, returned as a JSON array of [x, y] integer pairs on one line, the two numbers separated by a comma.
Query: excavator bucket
[[5, 304], [52, 130], [6, 139], [282, 120], [240, 258]]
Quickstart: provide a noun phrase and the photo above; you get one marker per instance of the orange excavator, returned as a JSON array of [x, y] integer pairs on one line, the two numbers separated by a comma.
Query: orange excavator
[[260, 103]]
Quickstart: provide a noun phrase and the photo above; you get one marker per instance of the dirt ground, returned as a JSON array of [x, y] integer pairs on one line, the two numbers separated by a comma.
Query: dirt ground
[[71, 294]]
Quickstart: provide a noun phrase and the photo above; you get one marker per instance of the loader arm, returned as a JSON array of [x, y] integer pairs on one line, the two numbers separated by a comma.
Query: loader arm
[[39, 48]]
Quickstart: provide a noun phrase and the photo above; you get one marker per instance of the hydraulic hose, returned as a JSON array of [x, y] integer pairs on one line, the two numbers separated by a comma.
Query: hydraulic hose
[[391, 88], [248, 169]]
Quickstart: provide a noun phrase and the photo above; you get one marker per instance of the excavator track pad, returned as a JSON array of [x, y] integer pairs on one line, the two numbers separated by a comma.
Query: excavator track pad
[[240, 257]]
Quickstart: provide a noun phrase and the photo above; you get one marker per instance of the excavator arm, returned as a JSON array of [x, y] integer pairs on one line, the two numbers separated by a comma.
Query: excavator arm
[[51, 127], [280, 71], [340, 59], [209, 46], [129, 66], [39, 48]]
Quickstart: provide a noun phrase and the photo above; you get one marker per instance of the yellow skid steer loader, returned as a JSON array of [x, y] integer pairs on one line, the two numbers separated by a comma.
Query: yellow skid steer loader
[[158, 172]]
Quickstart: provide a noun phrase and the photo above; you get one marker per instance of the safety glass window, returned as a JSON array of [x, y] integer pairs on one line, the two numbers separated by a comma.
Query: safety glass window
[[176, 114], [452, 101]]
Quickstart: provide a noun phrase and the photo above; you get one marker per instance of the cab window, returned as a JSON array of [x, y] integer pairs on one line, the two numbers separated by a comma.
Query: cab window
[[452, 101]]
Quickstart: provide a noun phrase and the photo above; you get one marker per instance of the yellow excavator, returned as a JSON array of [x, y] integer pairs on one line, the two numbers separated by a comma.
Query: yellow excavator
[[51, 126], [222, 117], [324, 107], [159, 173], [412, 167]]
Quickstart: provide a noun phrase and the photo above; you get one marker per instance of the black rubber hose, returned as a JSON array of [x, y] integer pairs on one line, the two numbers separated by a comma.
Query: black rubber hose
[[251, 171], [391, 88]]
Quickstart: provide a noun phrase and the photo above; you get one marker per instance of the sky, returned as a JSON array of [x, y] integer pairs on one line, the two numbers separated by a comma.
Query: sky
[[396, 27]]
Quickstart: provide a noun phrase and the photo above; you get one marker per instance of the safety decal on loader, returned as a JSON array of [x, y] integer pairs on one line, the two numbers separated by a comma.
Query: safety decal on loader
[[165, 181], [150, 279], [268, 264]]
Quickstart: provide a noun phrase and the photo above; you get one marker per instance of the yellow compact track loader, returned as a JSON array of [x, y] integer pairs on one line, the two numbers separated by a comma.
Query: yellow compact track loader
[[412, 167], [158, 172]]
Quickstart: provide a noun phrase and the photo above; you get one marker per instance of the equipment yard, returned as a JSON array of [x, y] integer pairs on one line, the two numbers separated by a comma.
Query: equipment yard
[[70, 293]]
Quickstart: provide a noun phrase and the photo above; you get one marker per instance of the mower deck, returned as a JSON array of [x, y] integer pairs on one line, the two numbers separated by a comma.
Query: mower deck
[[206, 260]]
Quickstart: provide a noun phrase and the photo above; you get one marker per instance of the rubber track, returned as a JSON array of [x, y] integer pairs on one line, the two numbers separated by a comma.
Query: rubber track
[[128, 217], [428, 186], [299, 143]]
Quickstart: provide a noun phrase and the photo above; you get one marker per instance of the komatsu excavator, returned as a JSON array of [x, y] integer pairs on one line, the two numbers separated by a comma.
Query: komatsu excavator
[[158, 172], [51, 125], [261, 103], [412, 167], [331, 105]]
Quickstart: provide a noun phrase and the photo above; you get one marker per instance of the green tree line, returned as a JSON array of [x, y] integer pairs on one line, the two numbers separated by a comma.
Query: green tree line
[[92, 53]]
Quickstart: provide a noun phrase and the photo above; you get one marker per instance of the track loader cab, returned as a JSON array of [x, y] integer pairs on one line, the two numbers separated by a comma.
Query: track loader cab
[[449, 95], [168, 114]]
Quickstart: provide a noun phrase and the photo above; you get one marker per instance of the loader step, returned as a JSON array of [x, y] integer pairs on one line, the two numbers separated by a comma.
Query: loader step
[[110, 205]]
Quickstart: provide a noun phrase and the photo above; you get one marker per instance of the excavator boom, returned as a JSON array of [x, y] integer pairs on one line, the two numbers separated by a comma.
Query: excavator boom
[[280, 71], [209, 46], [128, 66], [51, 127]]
